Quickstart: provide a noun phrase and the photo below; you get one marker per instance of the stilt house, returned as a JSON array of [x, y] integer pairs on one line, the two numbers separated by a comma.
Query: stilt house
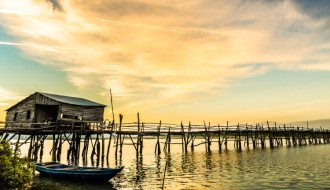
[[51, 108]]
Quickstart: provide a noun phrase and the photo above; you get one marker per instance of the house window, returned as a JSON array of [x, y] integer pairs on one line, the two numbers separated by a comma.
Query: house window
[[15, 116], [28, 114], [69, 116]]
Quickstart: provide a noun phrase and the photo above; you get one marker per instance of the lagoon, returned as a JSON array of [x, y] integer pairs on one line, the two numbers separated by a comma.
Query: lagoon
[[301, 167]]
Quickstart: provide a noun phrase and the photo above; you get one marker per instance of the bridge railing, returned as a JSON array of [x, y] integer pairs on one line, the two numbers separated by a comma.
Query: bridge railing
[[165, 127], [153, 127]]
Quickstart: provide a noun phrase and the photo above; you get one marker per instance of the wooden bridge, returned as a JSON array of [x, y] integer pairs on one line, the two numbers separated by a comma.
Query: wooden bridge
[[80, 135]]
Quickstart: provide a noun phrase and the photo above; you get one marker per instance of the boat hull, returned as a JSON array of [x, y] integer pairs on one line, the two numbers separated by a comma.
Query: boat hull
[[56, 170]]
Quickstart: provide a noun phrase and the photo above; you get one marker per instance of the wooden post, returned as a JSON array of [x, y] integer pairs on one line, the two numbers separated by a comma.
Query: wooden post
[[85, 149], [253, 136], [138, 137], [17, 143], [247, 136], [54, 149], [262, 137], [119, 132], [169, 140], [299, 137], [239, 137], [41, 149], [122, 137], [59, 151], [77, 149], [193, 136], [157, 147], [141, 138], [184, 140], [98, 152], [294, 142], [209, 140], [271, 142], [110, 136], [219, 139], [226, 136], [182, 137], [94, 150], [160, 125], [189, 136], [36, 149], [113, 115], [102, 158]]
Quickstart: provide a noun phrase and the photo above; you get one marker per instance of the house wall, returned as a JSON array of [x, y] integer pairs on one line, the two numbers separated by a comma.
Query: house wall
[[93, 114], [22, 110], [85, 112]]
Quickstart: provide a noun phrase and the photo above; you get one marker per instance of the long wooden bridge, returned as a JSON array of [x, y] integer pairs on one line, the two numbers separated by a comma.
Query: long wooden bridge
[[99, 136]]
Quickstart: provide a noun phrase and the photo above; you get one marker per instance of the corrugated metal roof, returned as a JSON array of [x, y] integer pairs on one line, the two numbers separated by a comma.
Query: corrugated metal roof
[[72, 100]]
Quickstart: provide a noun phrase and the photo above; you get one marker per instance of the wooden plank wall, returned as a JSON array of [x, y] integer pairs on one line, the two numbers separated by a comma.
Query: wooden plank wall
[[85, 112], [21, 109]]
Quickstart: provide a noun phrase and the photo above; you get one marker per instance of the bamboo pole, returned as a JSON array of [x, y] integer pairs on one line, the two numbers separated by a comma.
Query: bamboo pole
[[141, 139], [110, 136], [120, 136], [113, 115], [102, 158], [169, 140], [59, 151], [157, 147], [219, 138], [239, 145], [138, 137]]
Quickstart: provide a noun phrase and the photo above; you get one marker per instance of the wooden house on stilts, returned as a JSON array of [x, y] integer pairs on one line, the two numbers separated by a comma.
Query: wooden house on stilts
[[41, 108]]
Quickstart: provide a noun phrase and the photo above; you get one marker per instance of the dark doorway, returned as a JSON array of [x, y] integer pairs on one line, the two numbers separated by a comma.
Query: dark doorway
[[46, 113]]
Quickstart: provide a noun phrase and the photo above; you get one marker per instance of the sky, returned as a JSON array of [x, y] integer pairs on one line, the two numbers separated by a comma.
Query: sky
[[197, 60]]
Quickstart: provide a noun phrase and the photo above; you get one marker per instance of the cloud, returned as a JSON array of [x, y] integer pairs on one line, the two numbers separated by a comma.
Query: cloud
[[56, 5], [166, 50], [7, 97]]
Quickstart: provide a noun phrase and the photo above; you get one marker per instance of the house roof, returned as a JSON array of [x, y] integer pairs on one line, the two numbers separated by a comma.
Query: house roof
[[71, 100]]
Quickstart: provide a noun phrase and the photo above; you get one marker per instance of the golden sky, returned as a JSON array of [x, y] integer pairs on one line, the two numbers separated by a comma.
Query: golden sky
[[172, 60]]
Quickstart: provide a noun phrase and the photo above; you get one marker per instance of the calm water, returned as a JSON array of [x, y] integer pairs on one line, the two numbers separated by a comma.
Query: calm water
[[306, 167]]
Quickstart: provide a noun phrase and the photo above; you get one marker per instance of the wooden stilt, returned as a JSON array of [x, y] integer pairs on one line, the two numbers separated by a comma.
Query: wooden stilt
[[239, 142], [138, 137], [102, 153], [169, 140], [59, 151], [184, 140], [110, 136], [30, 148], [17, 143], [119, 135], [157, 147], [141, 138], [247, 136]]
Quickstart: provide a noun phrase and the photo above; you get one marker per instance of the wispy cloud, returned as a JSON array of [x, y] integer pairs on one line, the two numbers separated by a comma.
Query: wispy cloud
[[7, 97], [146, 51]]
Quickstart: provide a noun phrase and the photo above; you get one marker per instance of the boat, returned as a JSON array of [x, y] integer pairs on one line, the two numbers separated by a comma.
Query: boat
[[58, 170]]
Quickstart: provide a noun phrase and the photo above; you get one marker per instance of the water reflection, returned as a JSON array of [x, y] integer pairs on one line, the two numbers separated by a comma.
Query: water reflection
[[46, 183]]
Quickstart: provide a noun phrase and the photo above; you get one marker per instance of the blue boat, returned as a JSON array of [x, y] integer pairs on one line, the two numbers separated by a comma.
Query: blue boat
[[57, 170]]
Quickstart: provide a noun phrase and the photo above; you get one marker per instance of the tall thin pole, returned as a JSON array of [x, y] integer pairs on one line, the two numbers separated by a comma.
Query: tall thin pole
[[164, 173], [113, 115]]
